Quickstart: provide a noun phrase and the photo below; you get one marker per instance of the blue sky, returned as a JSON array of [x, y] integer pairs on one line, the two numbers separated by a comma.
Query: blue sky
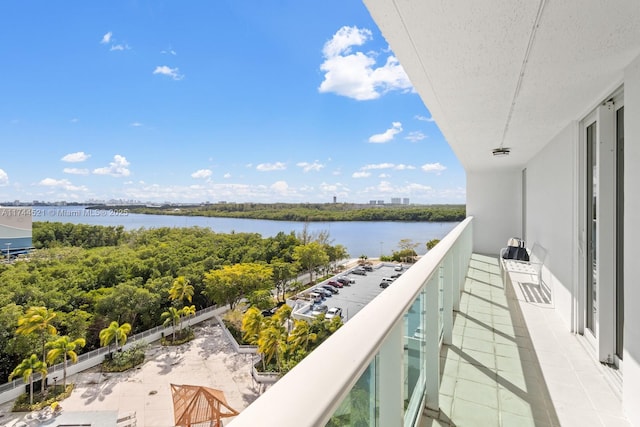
[[192, 101]]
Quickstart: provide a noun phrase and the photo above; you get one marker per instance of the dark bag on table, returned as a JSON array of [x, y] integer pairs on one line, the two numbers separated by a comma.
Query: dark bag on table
[[516, 249]]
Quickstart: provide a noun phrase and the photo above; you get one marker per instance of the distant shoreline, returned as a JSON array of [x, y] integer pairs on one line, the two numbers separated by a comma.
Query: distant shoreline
[[304, 212]]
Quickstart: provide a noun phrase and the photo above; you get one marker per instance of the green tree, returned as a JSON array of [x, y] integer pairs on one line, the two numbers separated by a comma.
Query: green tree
[[38, 320], [189, 311], [29, 366], [232, 283], [181, 290], [310, 256], [301, 336], [252, 323], [172, 317], [431, 243], [115, 332], [64, 348], [273, 342], [283, 272]]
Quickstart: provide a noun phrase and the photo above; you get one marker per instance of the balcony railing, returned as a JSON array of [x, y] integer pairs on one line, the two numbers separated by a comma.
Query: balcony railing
[[383, 366]]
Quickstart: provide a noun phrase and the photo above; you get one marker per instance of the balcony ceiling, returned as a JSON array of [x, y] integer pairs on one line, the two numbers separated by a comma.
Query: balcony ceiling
[[510, 72]]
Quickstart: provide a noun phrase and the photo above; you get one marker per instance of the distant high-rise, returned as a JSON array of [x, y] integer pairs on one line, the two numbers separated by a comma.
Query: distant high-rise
[[405, 201]]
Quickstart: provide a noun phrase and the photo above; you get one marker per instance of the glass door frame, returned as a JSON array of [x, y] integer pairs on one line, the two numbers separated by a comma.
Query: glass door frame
[[603, 334]]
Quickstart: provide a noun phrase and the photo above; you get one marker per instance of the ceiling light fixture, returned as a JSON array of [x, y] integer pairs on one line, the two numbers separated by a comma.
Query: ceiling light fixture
[[501, 151]]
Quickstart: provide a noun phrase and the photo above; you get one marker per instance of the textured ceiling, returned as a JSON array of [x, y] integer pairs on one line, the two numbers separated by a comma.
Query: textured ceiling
[[511, 72]]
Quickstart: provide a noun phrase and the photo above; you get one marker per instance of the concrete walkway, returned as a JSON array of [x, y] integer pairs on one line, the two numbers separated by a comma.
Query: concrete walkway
[[208, 360]]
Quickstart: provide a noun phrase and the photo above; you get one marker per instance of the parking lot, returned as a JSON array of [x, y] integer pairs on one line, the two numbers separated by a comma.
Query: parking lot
[[352, 298]]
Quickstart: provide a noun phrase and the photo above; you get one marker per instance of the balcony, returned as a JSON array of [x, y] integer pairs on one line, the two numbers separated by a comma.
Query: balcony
[[441, 347]]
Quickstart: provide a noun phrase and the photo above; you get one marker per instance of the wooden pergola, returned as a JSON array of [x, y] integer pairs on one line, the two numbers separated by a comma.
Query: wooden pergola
[[199, 406]]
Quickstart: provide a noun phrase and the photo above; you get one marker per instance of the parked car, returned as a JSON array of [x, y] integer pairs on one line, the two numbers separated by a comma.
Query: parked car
[[333, 312], [395, 276], [359, 271], [367, 268], [316, 297], [322, 291], [331, 289], [335, 284], [399, 268], [384, 284], [319, 309], [344, 281], [388, 279]]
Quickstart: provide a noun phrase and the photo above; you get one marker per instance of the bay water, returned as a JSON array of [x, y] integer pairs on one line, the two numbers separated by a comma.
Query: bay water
[[358, 237]]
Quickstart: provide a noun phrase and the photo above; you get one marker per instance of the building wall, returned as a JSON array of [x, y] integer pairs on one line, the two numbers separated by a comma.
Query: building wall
[[550, 219], [631, 363], [15, 229], [494, 199]]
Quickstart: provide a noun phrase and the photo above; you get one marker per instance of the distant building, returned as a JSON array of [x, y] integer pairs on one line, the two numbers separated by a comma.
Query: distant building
[[15, 230], [395, 200], [372, 202], [335, 199], [381, 202], [405, 201]]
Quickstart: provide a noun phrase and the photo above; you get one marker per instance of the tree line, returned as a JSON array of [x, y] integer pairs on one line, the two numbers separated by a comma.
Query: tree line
[[114, 275], [311, 212]]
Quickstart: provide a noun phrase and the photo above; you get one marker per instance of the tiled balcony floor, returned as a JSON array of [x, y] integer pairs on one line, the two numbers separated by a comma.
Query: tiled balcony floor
[[513, 362]]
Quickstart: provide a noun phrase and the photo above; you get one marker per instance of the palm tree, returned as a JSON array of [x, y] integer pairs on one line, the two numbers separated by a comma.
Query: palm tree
[[172, 317], [189, 311], [252, 323], [115, 332], [301, 335], [37, 319], [181, 289], [273, 343], [26, 369], [64, 348]]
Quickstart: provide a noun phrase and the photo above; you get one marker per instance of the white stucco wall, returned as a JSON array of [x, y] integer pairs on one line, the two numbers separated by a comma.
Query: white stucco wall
[[631, 363], [550, 214], [494, 199]]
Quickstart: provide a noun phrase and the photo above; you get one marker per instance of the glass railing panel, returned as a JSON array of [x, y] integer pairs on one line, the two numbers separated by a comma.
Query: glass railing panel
[[441, 306], [414, 380], [360, 407]]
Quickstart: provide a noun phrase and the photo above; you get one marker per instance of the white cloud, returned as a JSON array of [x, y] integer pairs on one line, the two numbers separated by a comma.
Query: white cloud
[[226, 175], [280, 187], [76, 171], [4, 178], [61, 183], [202, 173], [378, 166], [174, 73], [424, 119], [77, 157], [136, 124], [116, 168], [106, 38], [169, 52], [433, 167], [269, 167], [402, 167], [415, 136], [354, 74], [307, 167], [121, 46], [74, 120], [361, 174], [387, 135]]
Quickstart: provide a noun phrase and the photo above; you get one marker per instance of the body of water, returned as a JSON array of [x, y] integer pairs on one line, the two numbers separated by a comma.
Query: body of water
[[359, 237]]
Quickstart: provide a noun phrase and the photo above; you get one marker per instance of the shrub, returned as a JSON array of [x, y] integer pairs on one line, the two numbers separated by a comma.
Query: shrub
[[124, 360], [52, 395], [182, 337]]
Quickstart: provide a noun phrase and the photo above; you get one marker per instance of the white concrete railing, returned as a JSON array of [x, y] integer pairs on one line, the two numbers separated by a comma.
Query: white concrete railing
[[378, 363]]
